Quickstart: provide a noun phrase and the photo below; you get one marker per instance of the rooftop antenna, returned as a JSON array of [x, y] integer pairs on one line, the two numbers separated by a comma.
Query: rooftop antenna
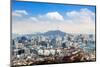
[[58, 28]]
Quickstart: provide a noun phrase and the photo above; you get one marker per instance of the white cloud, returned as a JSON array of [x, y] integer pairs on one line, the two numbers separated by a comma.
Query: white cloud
[[54, 16], [16, 14], [82, 16], [34, 19], [51, 17], [82, 21], [22, 12], [19, 13]]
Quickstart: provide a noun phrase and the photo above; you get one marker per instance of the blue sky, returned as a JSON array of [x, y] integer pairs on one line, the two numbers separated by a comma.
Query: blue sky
[[30, 17], [35, 8]]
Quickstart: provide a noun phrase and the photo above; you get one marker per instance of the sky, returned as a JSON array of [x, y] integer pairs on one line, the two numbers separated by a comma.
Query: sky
[[32, 17]]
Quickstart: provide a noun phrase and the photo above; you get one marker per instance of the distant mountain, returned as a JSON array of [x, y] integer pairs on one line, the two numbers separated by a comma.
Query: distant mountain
[[54, 32]]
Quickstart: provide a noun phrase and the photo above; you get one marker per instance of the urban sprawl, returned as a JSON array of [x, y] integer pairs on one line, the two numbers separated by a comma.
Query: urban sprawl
[[51, 48]]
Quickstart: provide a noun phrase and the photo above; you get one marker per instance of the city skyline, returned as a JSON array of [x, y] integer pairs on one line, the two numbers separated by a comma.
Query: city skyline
[[38, 18]]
